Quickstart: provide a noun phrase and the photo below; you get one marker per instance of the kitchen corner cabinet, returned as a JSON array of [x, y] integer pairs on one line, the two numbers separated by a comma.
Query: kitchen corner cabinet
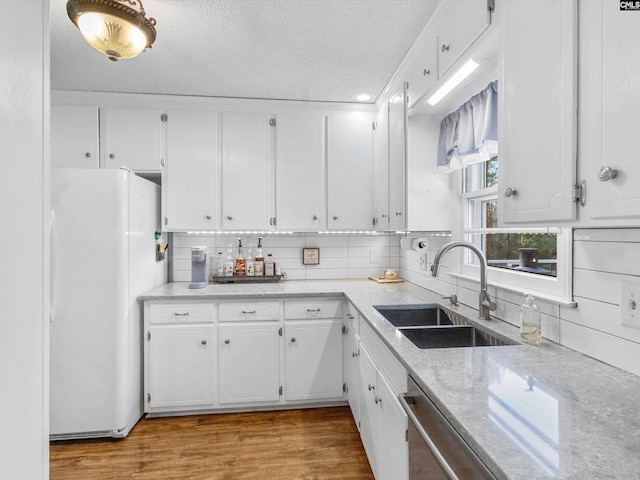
[[74, 136], [538, 112], [609, 113], [179, 356], [132, 138], [313, 350], [190, 180], [247, 171], [300, 172], [350, 173]]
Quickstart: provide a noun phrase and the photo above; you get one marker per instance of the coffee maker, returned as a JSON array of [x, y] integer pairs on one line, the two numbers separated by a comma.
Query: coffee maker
[[199, 267]]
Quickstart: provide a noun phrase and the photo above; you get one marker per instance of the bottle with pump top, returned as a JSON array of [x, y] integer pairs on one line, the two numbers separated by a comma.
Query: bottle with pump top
[[228, 263], [269, 266], [250, 263], [240, 264], [259, 260]]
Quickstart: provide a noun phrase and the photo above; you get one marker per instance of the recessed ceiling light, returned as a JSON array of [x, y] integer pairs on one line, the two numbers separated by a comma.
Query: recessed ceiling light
[[363, 97]]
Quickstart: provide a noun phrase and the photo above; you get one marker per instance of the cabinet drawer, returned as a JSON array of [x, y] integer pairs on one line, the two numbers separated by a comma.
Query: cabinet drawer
[[181, 313], [311, 309], [393, 371], [242, 311]]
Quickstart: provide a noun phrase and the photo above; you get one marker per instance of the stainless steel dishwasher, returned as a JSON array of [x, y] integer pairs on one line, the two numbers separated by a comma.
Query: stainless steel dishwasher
[[436, 450]]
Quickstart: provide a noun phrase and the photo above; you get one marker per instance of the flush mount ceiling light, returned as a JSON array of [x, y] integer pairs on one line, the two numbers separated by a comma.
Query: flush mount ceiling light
[[455, 80], [363, 97], [113, 28]]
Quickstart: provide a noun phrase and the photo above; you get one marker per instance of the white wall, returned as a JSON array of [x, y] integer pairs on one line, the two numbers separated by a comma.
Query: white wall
[[341, 255], [24, 277], [602, 258]]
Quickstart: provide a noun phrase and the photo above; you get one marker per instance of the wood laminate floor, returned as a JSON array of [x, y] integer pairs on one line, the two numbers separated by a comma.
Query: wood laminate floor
[[308, 444]]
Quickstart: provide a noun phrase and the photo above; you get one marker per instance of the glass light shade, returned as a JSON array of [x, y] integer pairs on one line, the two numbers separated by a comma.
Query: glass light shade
[[112, 27], [112, 36]]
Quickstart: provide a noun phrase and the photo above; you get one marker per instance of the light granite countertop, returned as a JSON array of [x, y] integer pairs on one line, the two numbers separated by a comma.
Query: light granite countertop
[[530, 412]]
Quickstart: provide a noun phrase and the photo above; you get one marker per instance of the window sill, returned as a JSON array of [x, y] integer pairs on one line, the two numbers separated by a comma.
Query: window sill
[[564, 302]]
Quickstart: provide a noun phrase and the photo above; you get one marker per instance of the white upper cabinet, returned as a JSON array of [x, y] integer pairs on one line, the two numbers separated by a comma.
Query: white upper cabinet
[[74, 136], [463, 23], [350, 165], [190, 180], [398, 160], [422, 74], [300, 172], [381, 170], [247, 171], [132, 138], [609, 113], [538, 111]]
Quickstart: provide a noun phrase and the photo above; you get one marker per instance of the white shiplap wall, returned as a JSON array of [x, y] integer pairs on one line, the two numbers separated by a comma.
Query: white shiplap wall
[[341, 255], [602, 258]]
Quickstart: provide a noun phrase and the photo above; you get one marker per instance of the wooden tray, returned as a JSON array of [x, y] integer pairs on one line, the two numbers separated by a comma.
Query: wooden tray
[[386, 280]]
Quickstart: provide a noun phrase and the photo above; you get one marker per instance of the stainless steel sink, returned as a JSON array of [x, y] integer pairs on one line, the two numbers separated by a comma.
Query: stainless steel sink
[[414, 315], [453, 336]]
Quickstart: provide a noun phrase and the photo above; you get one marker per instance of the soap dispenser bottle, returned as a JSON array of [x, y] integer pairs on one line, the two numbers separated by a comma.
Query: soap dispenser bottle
[[530, 321]]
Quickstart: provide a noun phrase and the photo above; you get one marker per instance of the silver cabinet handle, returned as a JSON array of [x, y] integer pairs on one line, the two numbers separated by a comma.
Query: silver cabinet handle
[[377, 400], [227, 341], [88, 155], [607, 173], [204, 342], [509, 192], [426, 72], [371, 387], [248, 312], [185, 314], [354, 354], [398, 214], [384, 215], [313, 310], [349, 316], [111, 155], [444, 48]]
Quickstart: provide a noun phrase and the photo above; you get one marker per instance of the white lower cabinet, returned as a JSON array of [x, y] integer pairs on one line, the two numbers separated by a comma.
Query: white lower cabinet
[[351, 368], [180, 366], [249, 357]]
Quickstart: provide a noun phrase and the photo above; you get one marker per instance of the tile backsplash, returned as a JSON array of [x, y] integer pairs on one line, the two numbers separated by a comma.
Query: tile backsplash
[[341, 255]]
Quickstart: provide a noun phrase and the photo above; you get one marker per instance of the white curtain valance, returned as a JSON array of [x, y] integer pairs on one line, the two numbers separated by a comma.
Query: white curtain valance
[[470, 134]]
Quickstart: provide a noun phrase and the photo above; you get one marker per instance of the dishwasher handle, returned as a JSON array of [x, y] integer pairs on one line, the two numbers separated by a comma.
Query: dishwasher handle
[[448, 471]]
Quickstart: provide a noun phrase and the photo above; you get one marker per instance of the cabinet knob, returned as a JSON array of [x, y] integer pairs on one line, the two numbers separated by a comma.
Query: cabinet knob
[[315, 217], [607, 173], [398, 214], [371, 387], [426, 72], [444, 48], [111, 155], [384, 215], [229, 218], [88, 155], [354, 354], [203, 342], [208, 217], [349, 316], [227, 341], [335, 217], [509, 192], [293, 339], [378, 400]]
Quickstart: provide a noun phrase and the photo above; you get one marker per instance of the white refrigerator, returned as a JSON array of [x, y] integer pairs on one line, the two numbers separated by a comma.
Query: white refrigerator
[[103, 256]]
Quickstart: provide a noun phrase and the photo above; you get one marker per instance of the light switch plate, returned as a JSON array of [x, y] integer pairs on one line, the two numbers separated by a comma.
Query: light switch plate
[[423, 261], [373, 256], [630, 304]]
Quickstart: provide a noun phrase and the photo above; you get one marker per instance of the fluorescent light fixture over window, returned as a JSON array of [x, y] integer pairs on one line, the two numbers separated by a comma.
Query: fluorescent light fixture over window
[[453, 82]]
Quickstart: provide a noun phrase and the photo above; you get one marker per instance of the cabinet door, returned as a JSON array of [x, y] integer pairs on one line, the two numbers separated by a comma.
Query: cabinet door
[[461, 26], [247, 175], [391, 446], [423, 72], [368, 407], [189, 181], [609, 111], [350, 156], [398, 160], [300, 172], [132, 138], [538, 112], [352, 373], [74, 136], [381, 170], [181, 366], [313, 360], [249, 358]]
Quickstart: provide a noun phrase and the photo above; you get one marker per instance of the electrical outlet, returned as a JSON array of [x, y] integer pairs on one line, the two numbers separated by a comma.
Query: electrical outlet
[[373, 256], [423, 261], [630, 304]]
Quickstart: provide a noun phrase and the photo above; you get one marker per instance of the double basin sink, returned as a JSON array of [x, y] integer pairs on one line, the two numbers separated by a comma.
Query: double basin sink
[[429, 326]]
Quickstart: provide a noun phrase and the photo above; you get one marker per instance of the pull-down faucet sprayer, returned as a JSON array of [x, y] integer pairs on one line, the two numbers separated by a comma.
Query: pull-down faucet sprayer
[[485, 305]]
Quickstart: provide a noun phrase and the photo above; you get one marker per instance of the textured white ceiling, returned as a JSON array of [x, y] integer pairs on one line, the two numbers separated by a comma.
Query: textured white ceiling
[[321, 50]]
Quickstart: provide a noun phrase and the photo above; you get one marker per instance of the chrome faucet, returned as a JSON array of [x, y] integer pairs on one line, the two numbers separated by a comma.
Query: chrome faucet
[[485, 305]]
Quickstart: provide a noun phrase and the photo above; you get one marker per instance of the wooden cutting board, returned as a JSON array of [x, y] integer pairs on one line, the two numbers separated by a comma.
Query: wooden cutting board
[[386, 280]]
